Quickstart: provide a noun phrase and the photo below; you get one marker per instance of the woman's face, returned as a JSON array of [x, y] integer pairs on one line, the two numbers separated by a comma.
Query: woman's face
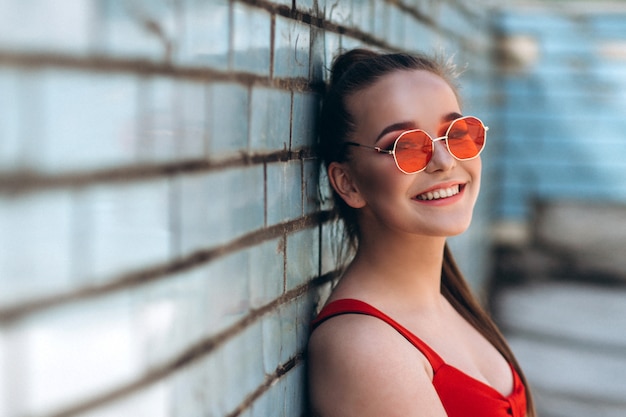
[[389, 199]]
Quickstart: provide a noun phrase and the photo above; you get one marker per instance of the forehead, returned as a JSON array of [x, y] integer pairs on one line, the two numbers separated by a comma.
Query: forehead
[[419, 96]]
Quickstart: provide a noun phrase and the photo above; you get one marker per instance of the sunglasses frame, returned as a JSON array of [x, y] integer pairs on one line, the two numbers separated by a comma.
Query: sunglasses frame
[[444, 137]]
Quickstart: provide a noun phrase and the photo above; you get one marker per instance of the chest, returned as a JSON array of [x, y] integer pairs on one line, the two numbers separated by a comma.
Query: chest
[[465, 349]]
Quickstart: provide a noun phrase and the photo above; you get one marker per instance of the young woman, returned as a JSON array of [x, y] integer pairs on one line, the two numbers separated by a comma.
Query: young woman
[[401, 334]]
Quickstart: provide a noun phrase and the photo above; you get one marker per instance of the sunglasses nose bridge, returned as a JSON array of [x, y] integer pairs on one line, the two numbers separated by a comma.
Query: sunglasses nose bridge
[[444, 144], [441, 153]]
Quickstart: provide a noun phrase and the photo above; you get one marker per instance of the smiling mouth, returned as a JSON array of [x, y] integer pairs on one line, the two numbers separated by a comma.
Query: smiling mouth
[[440, 193]]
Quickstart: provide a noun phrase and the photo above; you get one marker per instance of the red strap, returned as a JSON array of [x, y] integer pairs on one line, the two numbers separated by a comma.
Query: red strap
[[352, 306]]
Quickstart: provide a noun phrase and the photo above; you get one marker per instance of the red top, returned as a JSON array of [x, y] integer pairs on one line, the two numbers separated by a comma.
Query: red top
[[460, 394]]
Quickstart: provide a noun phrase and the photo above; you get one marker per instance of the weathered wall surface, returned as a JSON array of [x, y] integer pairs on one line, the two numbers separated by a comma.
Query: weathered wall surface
[[162, 246]]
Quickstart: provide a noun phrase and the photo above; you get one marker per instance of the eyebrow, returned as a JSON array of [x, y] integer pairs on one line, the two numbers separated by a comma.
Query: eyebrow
[[411, 125]]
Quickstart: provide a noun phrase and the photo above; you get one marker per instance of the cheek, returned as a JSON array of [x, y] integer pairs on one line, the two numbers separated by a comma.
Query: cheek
[[476, 170], [380, 177]]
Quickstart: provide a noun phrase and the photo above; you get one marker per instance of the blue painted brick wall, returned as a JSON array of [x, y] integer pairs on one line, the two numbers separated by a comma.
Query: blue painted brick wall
[[162, 242], [562, 117]]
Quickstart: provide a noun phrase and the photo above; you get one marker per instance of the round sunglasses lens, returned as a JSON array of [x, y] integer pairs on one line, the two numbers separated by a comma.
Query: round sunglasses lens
[[466, 138], [413, 151]]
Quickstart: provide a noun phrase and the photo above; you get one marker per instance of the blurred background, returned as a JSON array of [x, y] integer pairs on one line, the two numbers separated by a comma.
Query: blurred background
[[164, 243], [558, 287]]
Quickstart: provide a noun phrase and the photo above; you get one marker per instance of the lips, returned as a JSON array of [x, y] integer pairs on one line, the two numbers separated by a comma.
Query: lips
[[439, 193]]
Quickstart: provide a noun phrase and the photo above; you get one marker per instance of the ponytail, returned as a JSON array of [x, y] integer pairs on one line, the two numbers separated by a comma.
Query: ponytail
[[456, 290]]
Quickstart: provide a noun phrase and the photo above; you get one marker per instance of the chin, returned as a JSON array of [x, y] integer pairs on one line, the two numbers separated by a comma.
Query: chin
[[453, 229]]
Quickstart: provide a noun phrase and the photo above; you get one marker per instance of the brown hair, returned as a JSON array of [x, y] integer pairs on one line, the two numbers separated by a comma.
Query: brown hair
[[352, 72]]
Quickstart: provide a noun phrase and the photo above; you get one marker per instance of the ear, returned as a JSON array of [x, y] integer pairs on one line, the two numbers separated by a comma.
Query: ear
[[341, 180]]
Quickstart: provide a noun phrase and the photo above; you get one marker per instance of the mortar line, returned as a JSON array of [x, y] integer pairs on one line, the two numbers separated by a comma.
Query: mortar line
[[19, 182], [12, 313], [190, 355], [269, 381]]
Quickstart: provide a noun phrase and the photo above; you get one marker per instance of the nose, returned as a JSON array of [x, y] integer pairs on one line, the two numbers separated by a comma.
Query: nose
[[442, 159]]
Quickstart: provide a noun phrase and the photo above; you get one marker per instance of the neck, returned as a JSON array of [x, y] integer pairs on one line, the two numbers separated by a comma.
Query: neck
[[399, 270]]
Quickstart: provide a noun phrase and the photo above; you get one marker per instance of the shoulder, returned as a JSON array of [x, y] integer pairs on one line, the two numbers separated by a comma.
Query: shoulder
[[360, 366], [356, 336]]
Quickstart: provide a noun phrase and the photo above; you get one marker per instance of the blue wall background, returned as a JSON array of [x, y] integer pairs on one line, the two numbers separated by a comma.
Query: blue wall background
[[563, 106]]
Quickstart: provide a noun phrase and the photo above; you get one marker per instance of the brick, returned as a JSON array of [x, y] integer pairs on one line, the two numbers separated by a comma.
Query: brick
[[172, 314], [229, 296], [381, 12], [243, 361], [127, 228], [271, 403], [339, 12], [322, 6], [271, 338], [36, 243], [362, 15], [418, 36], [263, 405], [291, 49], [394, 26], [309, 6], [13, 398], [139, 29], [333, 48], [311, 186], [6, 408], [189, 391], [204, 41], [192, 109], [209, 215], [286, 397], [452, 18], [332, 239], [295, 393], [10, 100], [228, 109], [157, 136], [348, 43], [37, 26], [172, 121], [304, 120], [288, 331], [306, 311], [284, 191], [283, 2], [77, 351], [252, 42], [267, 131], [214, 367], [302, 257], [317, 55], [279, 337], [267, 272], [87, 121], [246, 413], [282, 335], [152, 401]]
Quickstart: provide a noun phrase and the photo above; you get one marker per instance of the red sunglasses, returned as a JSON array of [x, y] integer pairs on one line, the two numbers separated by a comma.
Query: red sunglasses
[[413, 149]]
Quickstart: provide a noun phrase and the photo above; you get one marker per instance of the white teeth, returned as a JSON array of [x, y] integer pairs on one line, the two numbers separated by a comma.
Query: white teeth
[[441, 193]]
